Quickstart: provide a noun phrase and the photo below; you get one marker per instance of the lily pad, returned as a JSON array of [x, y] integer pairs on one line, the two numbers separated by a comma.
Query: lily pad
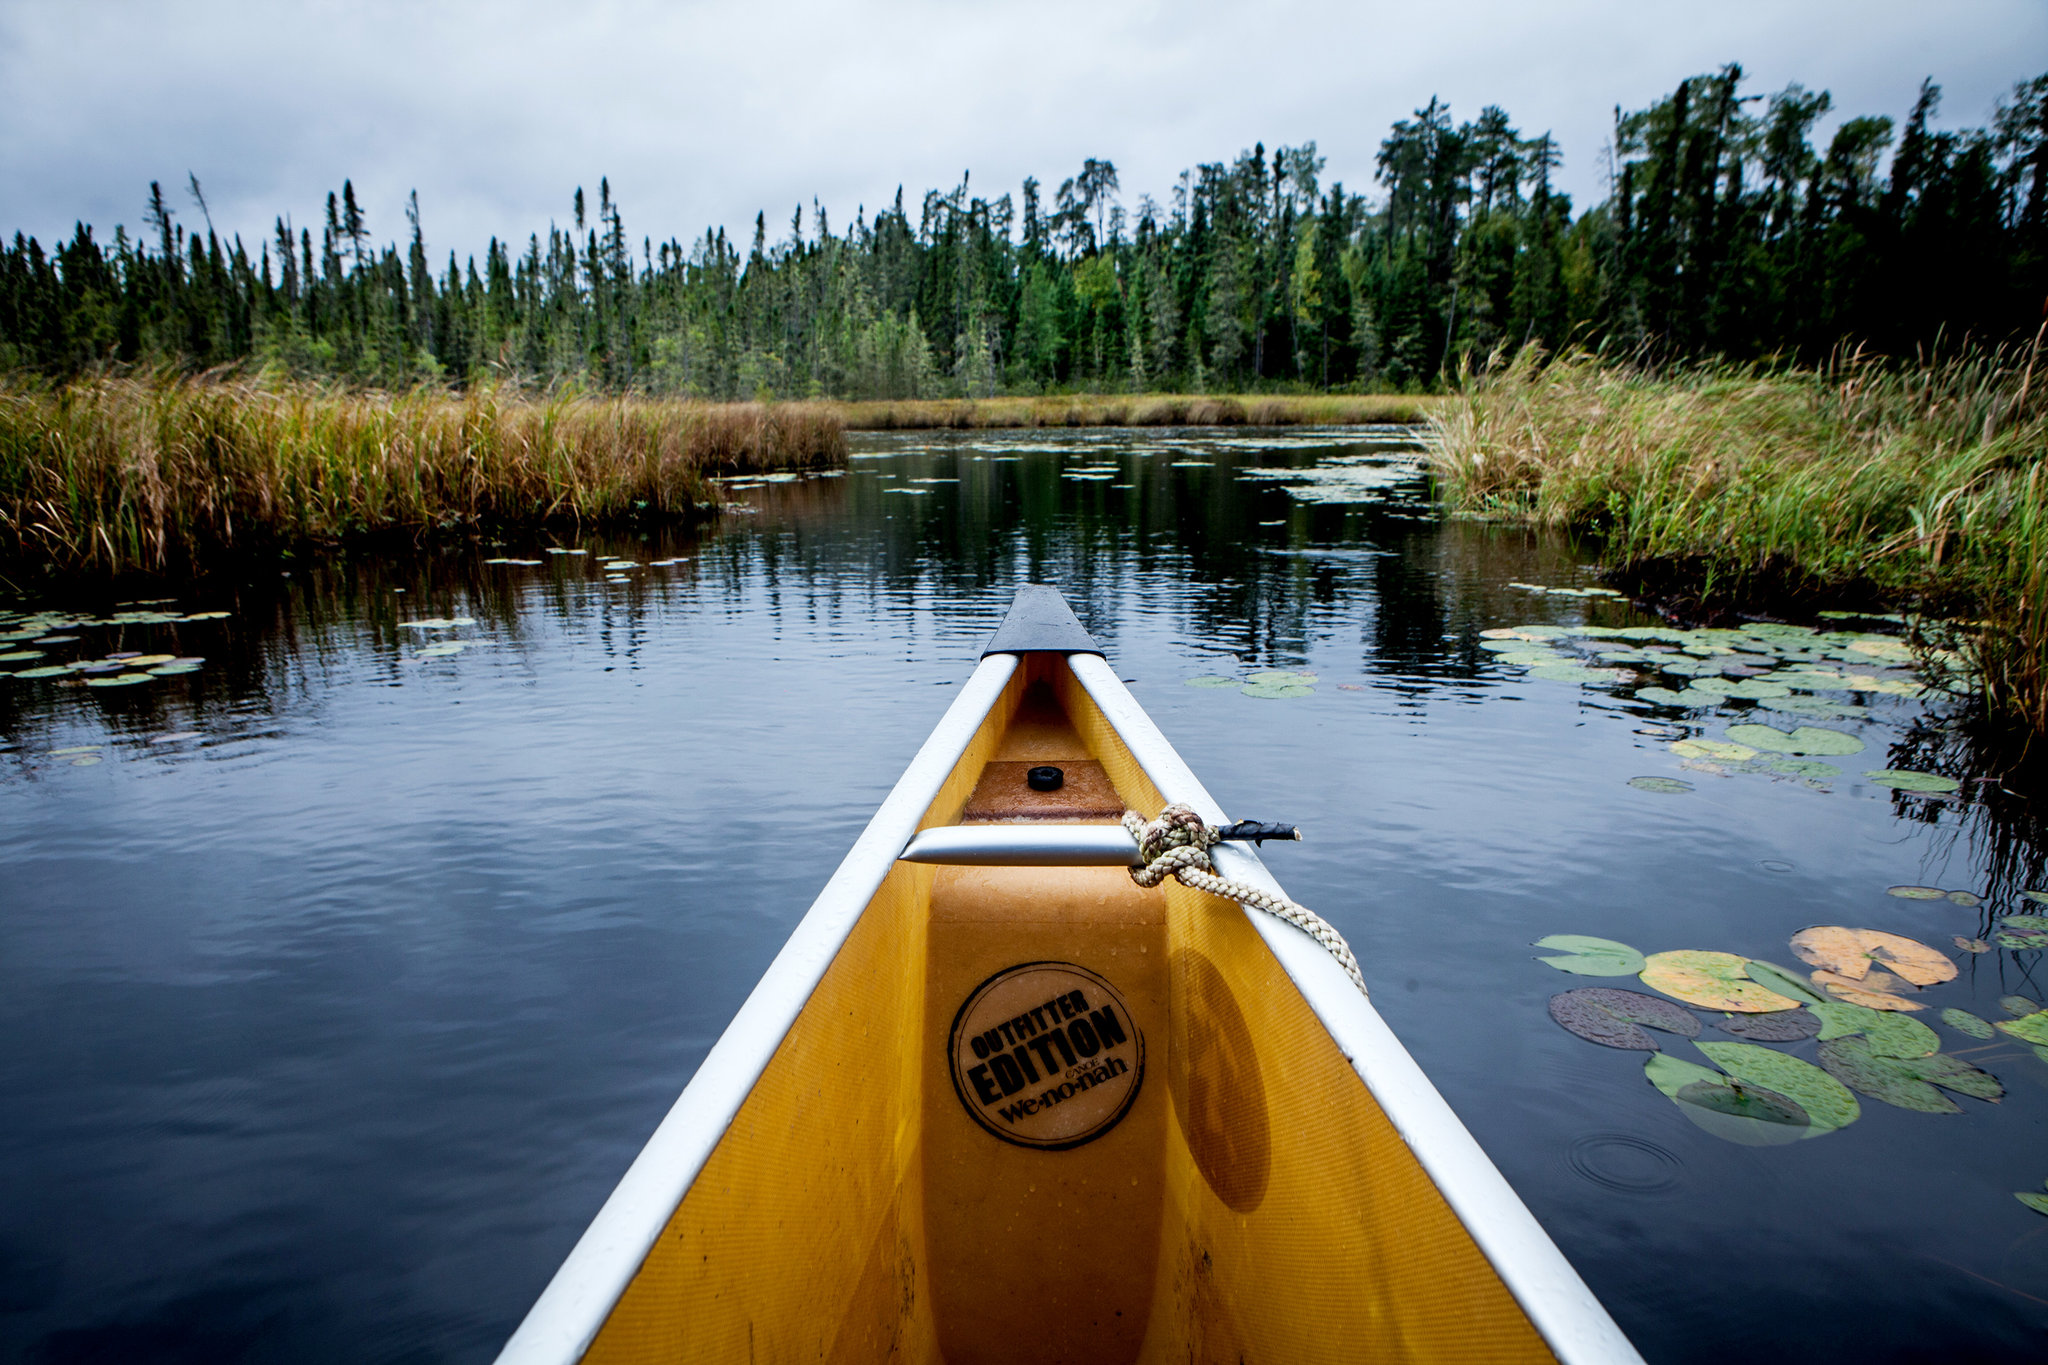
[[2037, 897], [1589, 956], [2037, 1202], [1745, 1102], [1779, 1026], [1784, 981], [1614, 1018], [2018, 1006], [53, 671], [1890, 1034], [1280, 675], [1852, 1062], [1851, 952], [2031, 1028], [1212, 680], [1713, 749], [1577, 673], [1962, 1021], [1916, 893], [443, 649], [1876, 989], [1969, 900], [1715, 981], [1971, 945], [1277, 690], [119, 680], [1757, 689], [1906, 780], [2021, 933], [207, 616], [1810, 768], [1670, 786], [1664, 696], [1879, 647], [1673, 1077], [1814, 707], [1821, 1095], [20, 656], [1807, 739]]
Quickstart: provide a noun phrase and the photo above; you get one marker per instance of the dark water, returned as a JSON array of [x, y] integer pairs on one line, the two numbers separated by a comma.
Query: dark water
[[328, 1028]]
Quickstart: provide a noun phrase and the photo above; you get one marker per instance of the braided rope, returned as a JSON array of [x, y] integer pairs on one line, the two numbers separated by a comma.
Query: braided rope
[[1177, 845]]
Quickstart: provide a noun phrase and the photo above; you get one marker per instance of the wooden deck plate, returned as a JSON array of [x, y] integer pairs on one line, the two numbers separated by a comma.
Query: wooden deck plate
[[1003, 794]]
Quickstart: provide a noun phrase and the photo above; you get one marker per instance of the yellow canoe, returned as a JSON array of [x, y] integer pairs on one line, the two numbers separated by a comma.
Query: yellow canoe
[[993, 1102]]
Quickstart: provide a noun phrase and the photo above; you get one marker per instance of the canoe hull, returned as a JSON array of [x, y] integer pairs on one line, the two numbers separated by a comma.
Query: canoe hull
[[1251, 1200]]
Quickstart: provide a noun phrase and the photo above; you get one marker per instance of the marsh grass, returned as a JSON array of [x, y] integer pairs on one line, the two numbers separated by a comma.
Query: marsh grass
[[1135, 410], [160, 475], [1921, 484]]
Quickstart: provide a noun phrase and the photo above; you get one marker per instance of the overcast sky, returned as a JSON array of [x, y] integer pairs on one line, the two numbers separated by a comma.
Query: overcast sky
[[705, 113]]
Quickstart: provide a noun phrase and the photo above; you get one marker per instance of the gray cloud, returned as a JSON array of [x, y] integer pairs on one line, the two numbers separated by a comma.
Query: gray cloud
[[703, 114]]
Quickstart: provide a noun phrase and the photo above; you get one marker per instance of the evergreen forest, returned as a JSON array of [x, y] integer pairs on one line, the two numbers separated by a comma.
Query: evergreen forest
[[1727, 233]]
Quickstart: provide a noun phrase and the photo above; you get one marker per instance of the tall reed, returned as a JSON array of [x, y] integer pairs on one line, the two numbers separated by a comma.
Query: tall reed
[[123, 473], [1923, 483]]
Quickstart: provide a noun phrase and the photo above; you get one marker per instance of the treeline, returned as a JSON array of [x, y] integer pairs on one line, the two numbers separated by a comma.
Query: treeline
[[1726, 233]]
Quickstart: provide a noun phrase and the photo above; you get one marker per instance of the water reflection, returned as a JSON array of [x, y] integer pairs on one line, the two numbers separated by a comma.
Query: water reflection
[[332, 1021]]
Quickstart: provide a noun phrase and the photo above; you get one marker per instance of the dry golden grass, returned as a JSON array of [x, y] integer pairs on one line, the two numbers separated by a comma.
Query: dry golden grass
[[1923, 483], [118, 474], [1134, 410]]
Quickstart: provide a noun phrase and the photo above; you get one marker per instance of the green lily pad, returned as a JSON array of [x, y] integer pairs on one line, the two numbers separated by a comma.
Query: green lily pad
[[1813, 707], [2037, 1202], [54, 671], [1614, 1018], [2037, 897], [1757, 689], [20, 656], [1212, 680], [1906, 780], [2018, 1006], [1807, 739], [1804, 767], [1275, 691], [443, 649], [1890, 1033], [1577, 673], [172, 670], [1718, 749], [1962, 1021], [1851, 1061], [206, 616], [1827, 1103], [1664, 696], [1779, 1026], [1953, 1073], [1673, 1077], [1916, 893], [2031, 1028], [1969, 900], [1785, 982], [2021, 933], [1670, 786], [1279, 675], [119, 680], [1589, 956], [1745, 1102]]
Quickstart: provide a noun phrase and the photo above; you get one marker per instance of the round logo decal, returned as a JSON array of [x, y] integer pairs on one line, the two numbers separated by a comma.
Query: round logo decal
[[1046, 1054]]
